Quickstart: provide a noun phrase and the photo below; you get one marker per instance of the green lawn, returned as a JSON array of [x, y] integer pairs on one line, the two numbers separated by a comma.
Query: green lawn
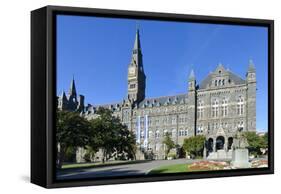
[[170, 169]]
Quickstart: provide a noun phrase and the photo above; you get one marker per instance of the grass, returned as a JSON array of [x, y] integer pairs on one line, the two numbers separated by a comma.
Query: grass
[[170, 169]]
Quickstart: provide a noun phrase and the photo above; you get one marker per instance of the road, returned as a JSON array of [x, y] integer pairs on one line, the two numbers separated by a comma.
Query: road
[[141, 168]]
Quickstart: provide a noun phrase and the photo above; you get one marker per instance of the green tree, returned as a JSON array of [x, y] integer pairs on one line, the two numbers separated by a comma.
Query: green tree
[[109, 134], [72, 130], [90, 153], [265, 140], [194, 145], [255, 142], [169, 143]]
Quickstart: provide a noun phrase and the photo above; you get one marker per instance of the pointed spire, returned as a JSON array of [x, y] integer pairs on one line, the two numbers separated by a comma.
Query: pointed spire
[[137, 45], [251, 66], [72, 90], [191, 75], [137, 54], [63, 96]]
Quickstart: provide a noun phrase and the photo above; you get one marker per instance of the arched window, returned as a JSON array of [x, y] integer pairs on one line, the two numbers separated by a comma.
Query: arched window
[[142, 134], [158, 146], [174, 133], [216, 82], [200, 129], [186, 132], [200, 109], [150, 134], [224, 107], [181, 132], [157, 134], [240, 124], [240, 105], [215, 108], [149, 147]]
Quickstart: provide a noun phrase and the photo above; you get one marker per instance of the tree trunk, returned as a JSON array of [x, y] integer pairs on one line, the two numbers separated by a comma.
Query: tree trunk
[[103, 156], [60, 158]]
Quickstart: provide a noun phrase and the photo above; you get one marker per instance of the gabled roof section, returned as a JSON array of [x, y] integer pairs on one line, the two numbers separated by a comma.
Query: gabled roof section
[[220, 71]]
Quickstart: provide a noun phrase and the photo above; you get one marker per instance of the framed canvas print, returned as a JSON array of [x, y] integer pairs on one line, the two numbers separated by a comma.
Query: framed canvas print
[[125, 96]]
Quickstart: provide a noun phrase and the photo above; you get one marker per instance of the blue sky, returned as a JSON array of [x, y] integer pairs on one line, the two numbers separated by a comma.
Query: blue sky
[[97, 52]]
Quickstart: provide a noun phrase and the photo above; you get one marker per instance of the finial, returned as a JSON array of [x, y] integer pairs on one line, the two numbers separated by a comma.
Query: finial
[[251, 65], [137, 26], [191, 75], [251, 62]]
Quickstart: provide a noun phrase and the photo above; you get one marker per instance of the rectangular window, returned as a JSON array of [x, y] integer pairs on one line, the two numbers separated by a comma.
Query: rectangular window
[[132, 86]]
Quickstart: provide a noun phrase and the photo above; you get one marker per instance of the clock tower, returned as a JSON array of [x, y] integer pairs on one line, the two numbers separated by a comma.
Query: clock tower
[[136, 75]]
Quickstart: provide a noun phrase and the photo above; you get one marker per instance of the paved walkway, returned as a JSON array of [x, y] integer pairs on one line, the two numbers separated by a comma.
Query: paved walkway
[[141, 168]]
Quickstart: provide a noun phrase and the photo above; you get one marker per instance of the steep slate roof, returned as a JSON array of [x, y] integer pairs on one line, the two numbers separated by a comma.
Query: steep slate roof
[[234, 79], [164, 100]]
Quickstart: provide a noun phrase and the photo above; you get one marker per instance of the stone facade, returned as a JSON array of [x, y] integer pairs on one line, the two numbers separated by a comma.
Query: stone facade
[[216, 108]]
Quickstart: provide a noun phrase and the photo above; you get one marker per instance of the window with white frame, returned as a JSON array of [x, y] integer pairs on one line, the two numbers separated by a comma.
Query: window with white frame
[[157, 134], [174, 133], [158, 146], [240, 105], [240, 124], [173, 120], [149, 146], [200, 109], [150, 134], [142, 134], [224, 107], [215, 108], [186, 132], [200, 129], [181, 132]]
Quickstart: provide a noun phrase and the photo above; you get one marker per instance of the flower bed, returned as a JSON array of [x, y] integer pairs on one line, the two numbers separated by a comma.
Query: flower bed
[[259, 163], [208, 165]]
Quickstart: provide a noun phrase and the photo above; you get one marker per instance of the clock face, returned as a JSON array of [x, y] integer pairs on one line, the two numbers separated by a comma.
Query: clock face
[[132, 70]]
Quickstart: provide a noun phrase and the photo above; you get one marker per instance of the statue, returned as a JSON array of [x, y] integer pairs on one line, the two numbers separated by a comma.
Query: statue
[[240, 155], [239, 141]]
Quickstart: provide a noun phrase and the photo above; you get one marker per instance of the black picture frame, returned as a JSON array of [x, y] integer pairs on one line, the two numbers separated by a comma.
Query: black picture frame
[[43, 94]]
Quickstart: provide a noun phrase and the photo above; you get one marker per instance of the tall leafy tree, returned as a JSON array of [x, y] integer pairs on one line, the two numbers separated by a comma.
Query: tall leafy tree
[[256, 142], [194, 145], [72, 130], [169, 144], [111, 136]]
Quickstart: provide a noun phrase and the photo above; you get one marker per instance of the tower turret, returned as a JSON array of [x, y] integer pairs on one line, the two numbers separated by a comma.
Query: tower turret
[[62, 101], [192, 102], [251, 73], [136, 75], [191, 81], [72, 89], [251, 97], [72, 96]]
